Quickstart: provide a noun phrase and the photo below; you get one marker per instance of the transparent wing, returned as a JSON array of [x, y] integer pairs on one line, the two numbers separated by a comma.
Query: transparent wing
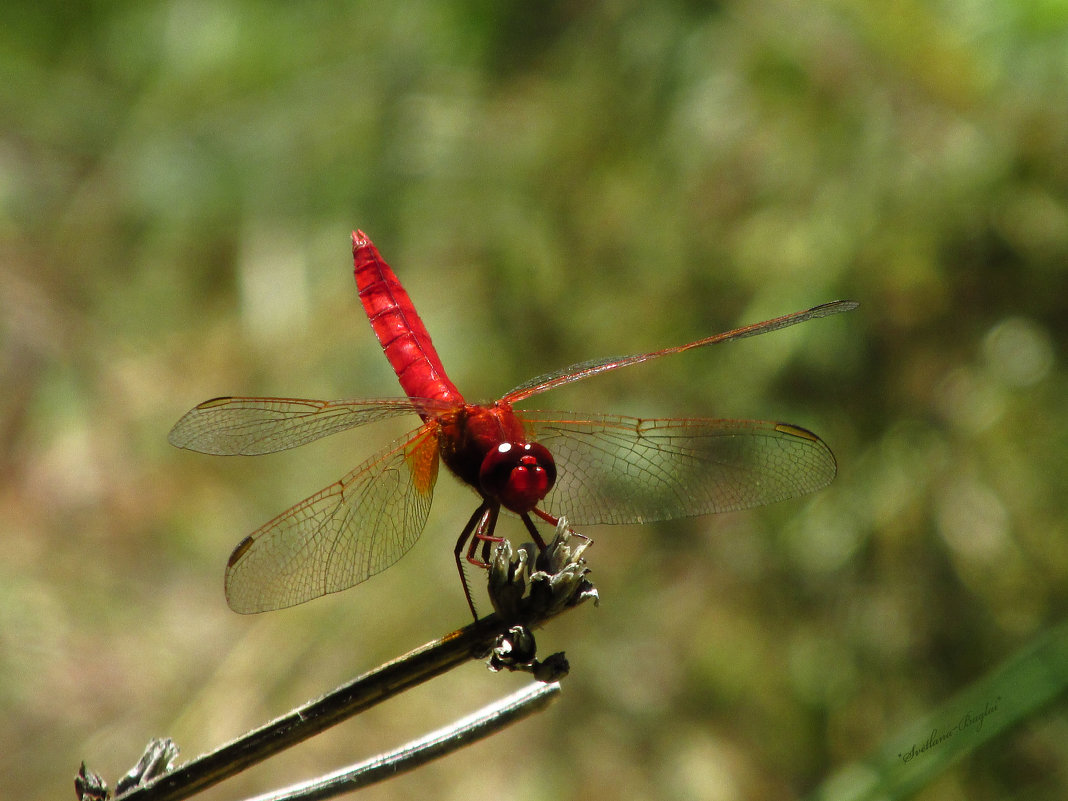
[[340, 536], [577, 372], [253, 426], [628, 470]]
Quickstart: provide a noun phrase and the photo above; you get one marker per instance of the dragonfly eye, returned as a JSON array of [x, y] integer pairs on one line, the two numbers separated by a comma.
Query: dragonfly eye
[[518, 475]]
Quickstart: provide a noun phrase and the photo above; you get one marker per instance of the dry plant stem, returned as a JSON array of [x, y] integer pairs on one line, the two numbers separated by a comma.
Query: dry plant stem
[[487, 721], [392, 678], [532, 599]]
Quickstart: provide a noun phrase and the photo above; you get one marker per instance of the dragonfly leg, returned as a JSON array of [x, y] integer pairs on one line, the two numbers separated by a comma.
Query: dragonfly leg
[[552, 521], [484, 534], [534, 531], [548, 518], [485, 517]]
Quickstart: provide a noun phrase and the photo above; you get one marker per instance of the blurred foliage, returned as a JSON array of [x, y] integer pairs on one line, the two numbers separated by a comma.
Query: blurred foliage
[[553, 182]]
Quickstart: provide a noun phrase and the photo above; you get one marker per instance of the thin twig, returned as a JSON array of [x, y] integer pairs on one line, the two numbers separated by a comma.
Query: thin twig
[[539, 596], [349, 699], [477, 726]]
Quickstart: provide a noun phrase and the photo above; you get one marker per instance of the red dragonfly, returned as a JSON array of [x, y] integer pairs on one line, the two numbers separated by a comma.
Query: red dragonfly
[[593, 468]]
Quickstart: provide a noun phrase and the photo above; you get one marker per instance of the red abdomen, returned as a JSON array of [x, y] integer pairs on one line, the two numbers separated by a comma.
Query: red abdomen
[[397, 325]]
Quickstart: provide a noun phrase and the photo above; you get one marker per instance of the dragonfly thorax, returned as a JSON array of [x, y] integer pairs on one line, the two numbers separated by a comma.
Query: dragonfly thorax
[[486, 447]]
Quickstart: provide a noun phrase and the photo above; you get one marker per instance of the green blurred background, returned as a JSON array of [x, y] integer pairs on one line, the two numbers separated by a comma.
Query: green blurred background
[[553, 182]]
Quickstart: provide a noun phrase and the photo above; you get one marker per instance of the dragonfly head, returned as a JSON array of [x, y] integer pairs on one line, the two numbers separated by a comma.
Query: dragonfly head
[[518, 475]]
